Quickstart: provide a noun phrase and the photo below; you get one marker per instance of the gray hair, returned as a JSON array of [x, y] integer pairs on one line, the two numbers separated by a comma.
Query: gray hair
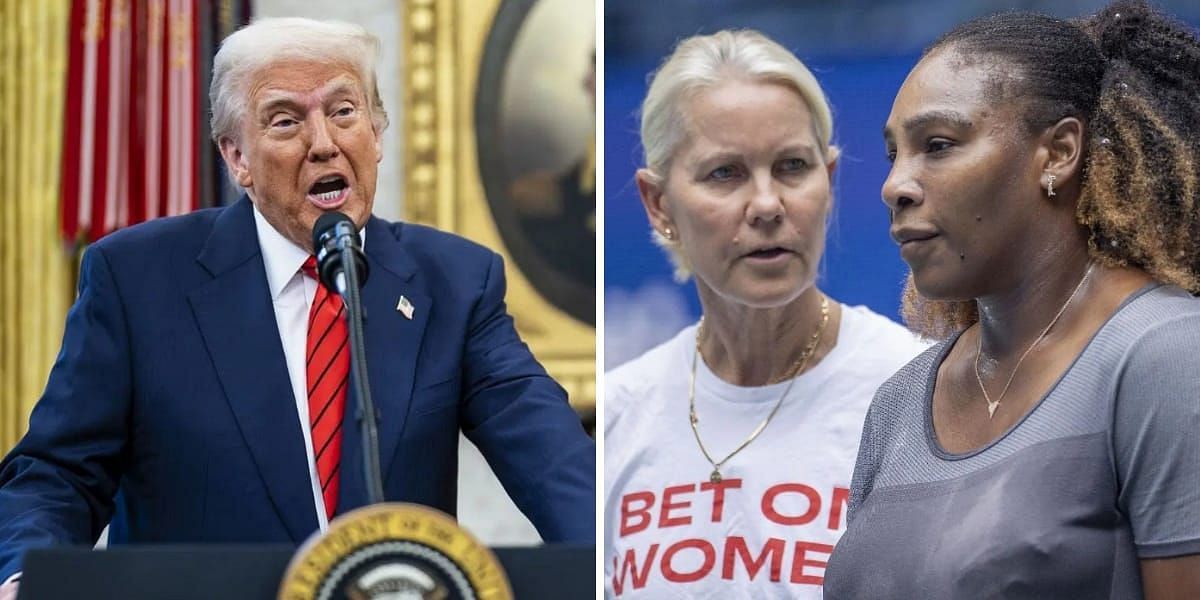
[[702, 62], [271, 40]]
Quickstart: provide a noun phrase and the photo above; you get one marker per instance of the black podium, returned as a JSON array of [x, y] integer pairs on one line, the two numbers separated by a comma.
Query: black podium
[[254, 572]]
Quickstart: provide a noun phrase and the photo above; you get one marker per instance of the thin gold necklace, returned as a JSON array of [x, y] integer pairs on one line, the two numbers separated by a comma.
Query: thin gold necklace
[[797, 367], [992, 405]]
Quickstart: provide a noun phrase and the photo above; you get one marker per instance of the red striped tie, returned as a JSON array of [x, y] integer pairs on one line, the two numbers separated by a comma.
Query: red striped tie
[[328, 366]]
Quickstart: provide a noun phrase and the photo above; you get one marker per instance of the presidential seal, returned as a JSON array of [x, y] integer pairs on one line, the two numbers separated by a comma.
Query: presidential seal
[[394, 551]]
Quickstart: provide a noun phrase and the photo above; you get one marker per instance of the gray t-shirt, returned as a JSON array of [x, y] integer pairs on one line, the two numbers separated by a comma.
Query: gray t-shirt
[[1102, 472]]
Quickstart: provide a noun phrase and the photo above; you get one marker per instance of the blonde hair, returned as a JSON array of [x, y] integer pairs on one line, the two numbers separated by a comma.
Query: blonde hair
[[271, 40], [705, 61]]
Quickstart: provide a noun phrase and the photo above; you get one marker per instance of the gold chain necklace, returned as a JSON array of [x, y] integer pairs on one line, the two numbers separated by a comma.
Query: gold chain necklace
[[992, 405], [797, 367]]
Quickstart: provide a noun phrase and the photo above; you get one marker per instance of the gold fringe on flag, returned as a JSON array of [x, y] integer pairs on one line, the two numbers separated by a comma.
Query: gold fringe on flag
[[36, 269]]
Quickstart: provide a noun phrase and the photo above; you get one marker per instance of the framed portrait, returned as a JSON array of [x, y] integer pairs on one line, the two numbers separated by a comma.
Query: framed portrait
[[499, 135]]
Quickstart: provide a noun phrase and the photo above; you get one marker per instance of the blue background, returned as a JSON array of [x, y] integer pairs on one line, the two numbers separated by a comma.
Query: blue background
[[859, 51]]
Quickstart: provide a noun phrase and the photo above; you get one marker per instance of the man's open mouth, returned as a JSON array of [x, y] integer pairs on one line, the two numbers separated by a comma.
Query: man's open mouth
[[329, 192]]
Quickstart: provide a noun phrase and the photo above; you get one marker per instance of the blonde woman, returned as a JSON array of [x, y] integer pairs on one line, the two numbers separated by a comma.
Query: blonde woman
[[729, 448]]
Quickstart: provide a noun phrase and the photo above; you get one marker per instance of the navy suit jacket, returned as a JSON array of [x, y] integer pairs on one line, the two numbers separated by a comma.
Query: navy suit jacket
[[170, 412]]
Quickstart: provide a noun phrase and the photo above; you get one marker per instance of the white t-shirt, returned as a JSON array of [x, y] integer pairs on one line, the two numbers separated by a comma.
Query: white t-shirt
[[767, 529]]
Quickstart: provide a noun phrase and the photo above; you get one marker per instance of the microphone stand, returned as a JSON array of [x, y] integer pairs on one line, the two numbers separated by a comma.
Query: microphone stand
[[348, 287]]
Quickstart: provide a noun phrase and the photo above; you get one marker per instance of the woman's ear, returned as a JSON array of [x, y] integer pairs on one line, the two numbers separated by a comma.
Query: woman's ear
[[831, 161], [1062, 147], [651, 187]]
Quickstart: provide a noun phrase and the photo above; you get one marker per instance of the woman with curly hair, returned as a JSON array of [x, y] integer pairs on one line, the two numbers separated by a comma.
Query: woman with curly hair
[[1045, 191]]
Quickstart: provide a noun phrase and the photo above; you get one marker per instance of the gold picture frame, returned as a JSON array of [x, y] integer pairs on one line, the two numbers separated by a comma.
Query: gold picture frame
[[444, 56]]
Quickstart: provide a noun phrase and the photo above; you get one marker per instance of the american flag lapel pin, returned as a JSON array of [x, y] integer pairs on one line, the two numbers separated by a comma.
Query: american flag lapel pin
[[405, 307]]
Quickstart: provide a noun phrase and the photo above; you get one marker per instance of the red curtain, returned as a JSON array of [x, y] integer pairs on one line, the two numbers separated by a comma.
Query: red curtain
[[135, 130]]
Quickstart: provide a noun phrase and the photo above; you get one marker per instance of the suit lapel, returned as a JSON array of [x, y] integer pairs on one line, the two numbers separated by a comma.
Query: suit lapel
[[237, 321], [392, 343]]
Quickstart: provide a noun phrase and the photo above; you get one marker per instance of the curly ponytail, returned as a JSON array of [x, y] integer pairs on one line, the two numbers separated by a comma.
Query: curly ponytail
[[1141, 191]]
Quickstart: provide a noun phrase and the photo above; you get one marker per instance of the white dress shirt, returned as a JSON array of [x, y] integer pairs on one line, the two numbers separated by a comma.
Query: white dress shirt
[[292, 295]]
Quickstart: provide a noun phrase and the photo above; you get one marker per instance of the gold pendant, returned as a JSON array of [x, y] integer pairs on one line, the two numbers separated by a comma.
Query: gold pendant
[[992, 406], [715, 477]]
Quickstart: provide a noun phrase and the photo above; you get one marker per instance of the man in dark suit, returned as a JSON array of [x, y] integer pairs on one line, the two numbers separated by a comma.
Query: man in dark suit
[[191, 399]]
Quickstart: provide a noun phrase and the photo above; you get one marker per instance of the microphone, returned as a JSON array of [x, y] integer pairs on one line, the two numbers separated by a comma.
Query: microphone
[[342, 266], [333, 235]]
